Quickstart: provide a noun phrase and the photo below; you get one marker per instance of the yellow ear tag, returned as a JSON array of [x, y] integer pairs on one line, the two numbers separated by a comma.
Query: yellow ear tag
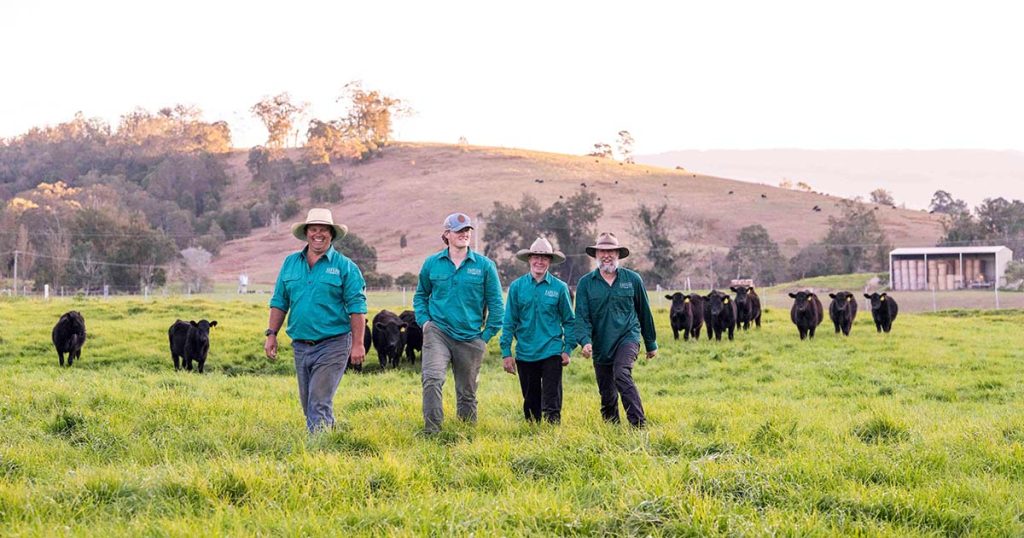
[[883, 297], [726, 301], [848, 298], [686, 300]]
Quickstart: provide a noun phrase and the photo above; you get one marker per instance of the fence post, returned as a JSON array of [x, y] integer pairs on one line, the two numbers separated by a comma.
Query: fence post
[[996, 287], [46, 292]]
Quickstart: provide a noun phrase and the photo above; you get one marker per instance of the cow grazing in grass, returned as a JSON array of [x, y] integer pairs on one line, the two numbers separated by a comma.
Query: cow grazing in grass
[[883, 310], [367, 342], [842, 311], [806, 313], [190, 343], [719, 314], [388, 338], [413, 335], [68, 336], [686, 314], [748, 306]]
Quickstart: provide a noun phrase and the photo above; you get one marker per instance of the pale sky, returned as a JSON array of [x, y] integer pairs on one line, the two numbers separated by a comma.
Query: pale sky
[[546, 75]]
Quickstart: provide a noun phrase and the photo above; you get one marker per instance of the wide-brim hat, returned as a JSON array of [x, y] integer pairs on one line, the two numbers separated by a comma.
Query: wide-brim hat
[[607, 241], [541, 247], [318, 215]]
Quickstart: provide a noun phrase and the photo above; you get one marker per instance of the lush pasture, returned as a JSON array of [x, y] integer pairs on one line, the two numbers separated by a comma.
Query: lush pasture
[[919, 432]]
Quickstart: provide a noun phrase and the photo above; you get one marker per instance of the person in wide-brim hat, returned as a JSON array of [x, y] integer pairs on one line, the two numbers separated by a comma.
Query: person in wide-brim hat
[[541, 247], [607, 241], [319, 215]]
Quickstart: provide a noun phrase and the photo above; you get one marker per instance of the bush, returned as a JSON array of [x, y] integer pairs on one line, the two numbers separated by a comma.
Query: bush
[[378, 280], [407, 280]]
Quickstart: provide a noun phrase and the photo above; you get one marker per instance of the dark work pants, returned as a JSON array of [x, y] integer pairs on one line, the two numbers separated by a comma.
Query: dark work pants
[[616, 379], [541, 382]]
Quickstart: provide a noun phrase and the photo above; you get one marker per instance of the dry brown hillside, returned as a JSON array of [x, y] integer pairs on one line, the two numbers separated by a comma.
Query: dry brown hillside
[[414, 185]]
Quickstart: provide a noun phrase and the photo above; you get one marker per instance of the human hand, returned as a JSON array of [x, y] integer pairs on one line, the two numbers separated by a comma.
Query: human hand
[[270, 347], [651, 354], [588, 350], [565, 359], [509, 363], [357, 354]]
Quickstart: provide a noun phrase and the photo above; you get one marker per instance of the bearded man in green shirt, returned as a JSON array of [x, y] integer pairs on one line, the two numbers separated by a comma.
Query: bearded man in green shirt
[[612, 314], [538, 316], [458, 292]]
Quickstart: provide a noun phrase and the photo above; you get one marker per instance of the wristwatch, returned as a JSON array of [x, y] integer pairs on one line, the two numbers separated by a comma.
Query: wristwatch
[[270, 332]]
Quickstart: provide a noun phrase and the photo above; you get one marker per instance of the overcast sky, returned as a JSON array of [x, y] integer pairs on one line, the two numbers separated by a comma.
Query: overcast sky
[[547, 75]]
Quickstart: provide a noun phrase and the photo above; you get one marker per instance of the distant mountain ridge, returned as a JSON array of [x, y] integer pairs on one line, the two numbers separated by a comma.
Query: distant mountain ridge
[[912, 176]]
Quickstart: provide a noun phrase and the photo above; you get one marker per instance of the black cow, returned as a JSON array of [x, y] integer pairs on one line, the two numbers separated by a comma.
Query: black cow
[[842, 311], [68, 336], [748, 306], [388, 337], [413, 335], [719, 314], [367, 342], [686, 314], [190, 341], [806, 313], [883, 311]]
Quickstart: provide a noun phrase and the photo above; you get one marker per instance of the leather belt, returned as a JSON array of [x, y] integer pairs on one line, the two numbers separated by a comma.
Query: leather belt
[[315, 342]]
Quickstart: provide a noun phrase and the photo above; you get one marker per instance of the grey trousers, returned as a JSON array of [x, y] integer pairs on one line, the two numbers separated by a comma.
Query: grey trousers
[[438, 350], [319, 369], [617, 379]]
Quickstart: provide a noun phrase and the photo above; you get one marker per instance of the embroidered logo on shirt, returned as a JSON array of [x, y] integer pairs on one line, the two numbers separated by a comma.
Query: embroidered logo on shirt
[[551, 293], [474, 272], [626, 285], [333, 271]]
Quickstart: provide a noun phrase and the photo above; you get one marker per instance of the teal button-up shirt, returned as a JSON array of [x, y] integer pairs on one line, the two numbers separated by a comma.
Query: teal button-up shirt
[[608, 316], [459, 299], [538, 316], [320, 299]]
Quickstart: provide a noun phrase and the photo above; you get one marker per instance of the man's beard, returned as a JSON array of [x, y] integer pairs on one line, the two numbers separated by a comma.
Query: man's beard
[[609, 268]]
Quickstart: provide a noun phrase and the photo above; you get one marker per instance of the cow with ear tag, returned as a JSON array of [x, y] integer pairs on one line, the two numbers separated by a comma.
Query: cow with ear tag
[[842, 311], [686, 314], [806, 313], [883, 310], [720, 314], [748, 306]]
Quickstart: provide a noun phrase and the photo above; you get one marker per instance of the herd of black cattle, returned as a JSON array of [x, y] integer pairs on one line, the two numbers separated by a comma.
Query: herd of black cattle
[[721, 313], [396, 334]]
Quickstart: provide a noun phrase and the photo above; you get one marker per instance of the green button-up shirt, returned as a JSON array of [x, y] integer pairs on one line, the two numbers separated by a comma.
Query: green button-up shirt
[[320, 299], [608, 316], [538, 315], [458, 299]]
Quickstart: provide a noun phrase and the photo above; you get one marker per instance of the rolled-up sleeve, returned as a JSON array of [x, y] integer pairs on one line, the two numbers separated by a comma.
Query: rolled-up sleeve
[[354, 290], [495, 305]]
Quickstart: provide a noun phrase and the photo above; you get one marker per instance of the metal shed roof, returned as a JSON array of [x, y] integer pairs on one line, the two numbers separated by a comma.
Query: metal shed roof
[[917, 251]]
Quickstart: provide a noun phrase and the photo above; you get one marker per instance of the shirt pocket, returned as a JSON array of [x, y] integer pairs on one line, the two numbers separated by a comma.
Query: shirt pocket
[[621, 300], [440, 284]]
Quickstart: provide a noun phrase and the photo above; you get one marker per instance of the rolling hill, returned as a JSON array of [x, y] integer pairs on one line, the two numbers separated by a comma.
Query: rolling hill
[[414, 185]]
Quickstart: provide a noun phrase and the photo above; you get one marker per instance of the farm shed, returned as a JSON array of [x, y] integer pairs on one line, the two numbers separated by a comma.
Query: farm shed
[[948, 268]]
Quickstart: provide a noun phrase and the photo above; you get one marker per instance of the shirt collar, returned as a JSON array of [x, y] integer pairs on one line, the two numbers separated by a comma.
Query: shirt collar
[[547, 278], [470, 255]]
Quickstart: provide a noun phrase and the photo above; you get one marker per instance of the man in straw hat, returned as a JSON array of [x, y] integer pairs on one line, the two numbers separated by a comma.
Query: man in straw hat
[[612, 314], [323, 294], [538, 316], [458, 292]]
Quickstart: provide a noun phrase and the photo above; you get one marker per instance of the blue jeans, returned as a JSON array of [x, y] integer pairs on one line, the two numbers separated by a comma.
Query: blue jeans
[[319, 369]]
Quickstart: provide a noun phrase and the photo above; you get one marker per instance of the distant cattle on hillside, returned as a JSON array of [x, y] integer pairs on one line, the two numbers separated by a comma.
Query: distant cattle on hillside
[[883, 310], [806, 313], [748, 306], [686, 314], [68, 336], [190, 343], [842, 311]]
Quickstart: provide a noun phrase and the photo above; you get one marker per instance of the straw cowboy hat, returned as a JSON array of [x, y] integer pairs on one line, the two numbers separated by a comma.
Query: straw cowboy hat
[[607, 241], [542, 247], [318, 215]]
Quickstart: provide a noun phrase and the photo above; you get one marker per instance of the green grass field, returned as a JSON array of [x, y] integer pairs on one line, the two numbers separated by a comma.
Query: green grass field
[[915, 433]]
